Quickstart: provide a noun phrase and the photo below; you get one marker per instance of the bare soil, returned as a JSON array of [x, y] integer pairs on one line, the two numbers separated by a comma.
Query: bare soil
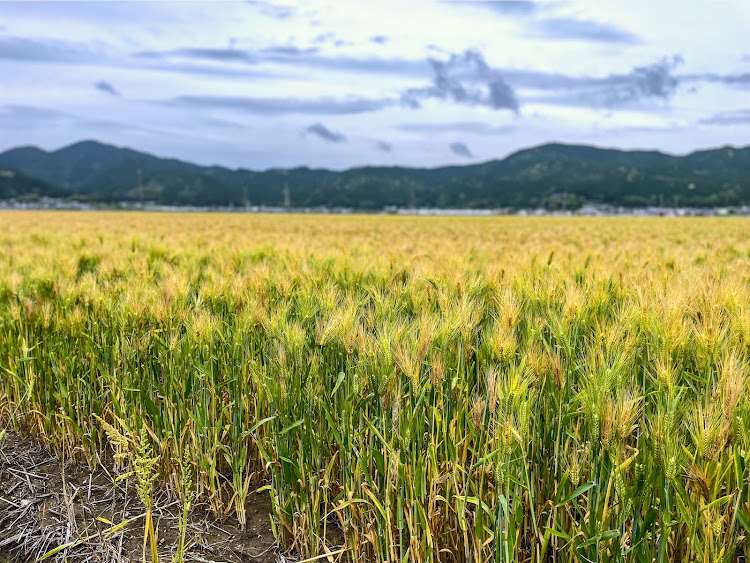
[[45, 503]]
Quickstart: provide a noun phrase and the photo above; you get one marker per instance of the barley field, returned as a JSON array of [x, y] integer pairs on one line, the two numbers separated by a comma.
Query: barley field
[[433, 389]]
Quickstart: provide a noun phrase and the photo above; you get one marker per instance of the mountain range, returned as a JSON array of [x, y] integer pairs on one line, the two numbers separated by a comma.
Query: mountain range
[[554, 176]]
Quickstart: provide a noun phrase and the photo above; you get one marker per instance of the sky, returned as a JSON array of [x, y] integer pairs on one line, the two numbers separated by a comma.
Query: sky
[[342, 84]]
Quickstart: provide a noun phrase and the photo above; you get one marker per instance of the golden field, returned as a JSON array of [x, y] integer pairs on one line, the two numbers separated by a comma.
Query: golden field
[[437, 389]]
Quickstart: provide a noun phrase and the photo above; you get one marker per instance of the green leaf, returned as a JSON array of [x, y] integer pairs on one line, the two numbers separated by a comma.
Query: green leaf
[[292, 426], [340, 379], [560, 535], [578, 492], [744, 521], [334, 429], [257, 425]]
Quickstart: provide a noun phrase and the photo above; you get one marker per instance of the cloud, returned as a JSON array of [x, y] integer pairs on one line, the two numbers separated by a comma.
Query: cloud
[[474, 127], [739, 80], [107, 88], [505, 7], [383, 146], [275, 11], [642, 85], [28, 114], [326, 37], [282, 106], [320, 130], [540, 80], [656, 79], [583, 30], [742, 80], [60, 51], [69, 52], [23, 117], [379, 39], [218, 54], [294, 56], [465, 79], [288, 50], [460, 149], [22, 49], [733, 117], [201, 69]]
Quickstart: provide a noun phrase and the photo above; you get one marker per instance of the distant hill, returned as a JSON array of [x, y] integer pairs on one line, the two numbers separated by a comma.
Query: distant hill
[[15, 184], [551, 176]]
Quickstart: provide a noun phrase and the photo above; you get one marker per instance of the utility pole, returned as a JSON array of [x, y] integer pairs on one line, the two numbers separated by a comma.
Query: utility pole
[[140, 185], [287, 195]]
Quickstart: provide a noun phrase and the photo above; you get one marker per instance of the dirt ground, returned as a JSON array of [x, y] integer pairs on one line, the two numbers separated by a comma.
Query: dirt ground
[[45, 504]]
